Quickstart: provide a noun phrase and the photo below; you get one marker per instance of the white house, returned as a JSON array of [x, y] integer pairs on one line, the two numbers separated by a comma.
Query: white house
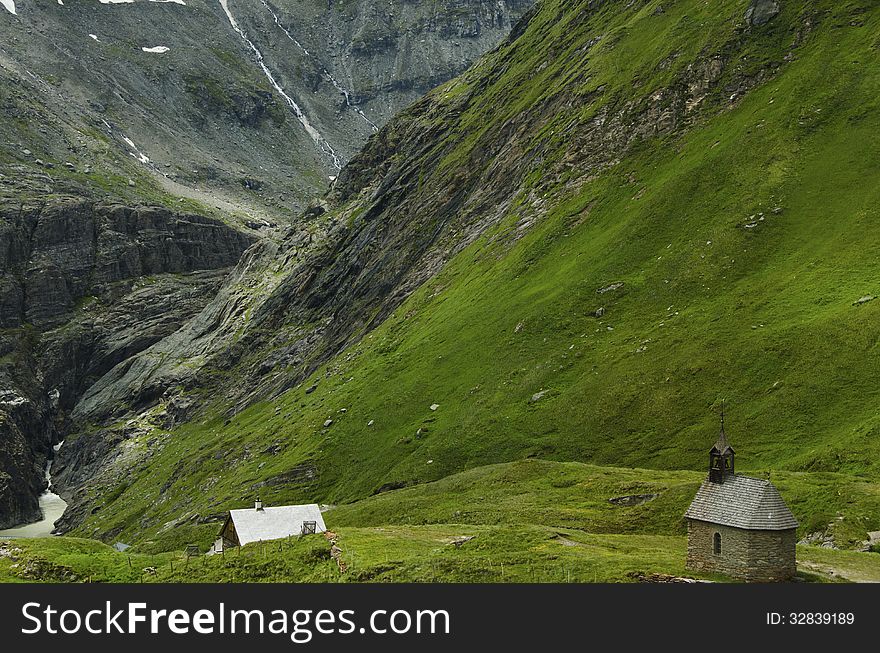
[[262, 524]]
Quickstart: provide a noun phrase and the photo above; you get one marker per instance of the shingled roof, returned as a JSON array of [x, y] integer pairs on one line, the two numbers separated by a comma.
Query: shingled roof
[[742, 502], [721, 445], [274, 523]]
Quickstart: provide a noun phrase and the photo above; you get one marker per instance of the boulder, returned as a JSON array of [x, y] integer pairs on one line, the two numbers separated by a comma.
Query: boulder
[[761, 12]]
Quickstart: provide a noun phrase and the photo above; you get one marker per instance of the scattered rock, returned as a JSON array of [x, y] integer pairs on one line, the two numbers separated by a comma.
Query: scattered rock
[[336, 554], [872, 543], [311, 389], [328, 423], [611, 288], [273, 449], [370, 423], [761, 12], [824, 540], [864, 300], [538, 396], [599, 312], [435, 406], [633, 499], [518, 328], [458, 540], [391, 485], [643, 577]]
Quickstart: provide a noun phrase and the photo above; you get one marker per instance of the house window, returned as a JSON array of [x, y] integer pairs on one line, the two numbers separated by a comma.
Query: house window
[[717, 543]]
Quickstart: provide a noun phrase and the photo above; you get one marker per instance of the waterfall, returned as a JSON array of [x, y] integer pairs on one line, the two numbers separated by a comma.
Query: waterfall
[[52, 507], [321, 142]]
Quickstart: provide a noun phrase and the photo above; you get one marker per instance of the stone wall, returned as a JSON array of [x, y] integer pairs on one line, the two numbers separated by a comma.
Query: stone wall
[[746, 555]]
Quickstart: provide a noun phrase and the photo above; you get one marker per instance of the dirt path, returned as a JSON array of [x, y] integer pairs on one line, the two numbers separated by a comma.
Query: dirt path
[[840, 572]]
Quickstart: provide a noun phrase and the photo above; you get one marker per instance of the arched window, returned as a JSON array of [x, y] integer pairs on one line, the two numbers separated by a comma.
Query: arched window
[[717, 543]]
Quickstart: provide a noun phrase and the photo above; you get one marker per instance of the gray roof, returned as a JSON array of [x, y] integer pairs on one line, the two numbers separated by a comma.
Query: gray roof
[[275, 522], [742, 502]]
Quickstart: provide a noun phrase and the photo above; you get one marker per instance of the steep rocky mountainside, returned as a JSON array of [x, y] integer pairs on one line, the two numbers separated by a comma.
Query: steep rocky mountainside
[[133, 133], [381, 56], [244, 107], [624, 212], [84, 286]]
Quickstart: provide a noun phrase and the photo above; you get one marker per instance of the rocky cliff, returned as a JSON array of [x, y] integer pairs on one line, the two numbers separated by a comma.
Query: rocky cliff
[[244, 107], [228, 112], [84, 287]]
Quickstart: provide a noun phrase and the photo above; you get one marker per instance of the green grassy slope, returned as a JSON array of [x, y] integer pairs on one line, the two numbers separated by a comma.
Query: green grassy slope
[[406, 554], [387, 554], [528, 521], [577, 496], [742, 244]]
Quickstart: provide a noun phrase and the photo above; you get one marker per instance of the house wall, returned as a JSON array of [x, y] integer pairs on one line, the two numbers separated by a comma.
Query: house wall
[[228, 533], [761, 556]]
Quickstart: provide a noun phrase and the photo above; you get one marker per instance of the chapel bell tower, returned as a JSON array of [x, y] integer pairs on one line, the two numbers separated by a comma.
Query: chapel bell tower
[[721, 457]]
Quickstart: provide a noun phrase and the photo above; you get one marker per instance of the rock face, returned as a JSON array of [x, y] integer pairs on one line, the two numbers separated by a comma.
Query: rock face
[[378, 57], [84, 286], [248, 111], [54, 255], [762, 12], [205, 118]]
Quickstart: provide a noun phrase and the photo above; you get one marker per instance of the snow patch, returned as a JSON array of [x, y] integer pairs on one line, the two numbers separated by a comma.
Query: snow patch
[[9, 4], [137, 154], [159, 49]]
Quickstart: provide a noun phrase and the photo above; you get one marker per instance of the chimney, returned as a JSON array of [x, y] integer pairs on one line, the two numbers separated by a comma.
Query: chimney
[[258, 504]]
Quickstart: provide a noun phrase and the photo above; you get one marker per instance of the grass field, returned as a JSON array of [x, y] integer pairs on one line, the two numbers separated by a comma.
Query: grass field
[[495, 554], [529, 521]]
